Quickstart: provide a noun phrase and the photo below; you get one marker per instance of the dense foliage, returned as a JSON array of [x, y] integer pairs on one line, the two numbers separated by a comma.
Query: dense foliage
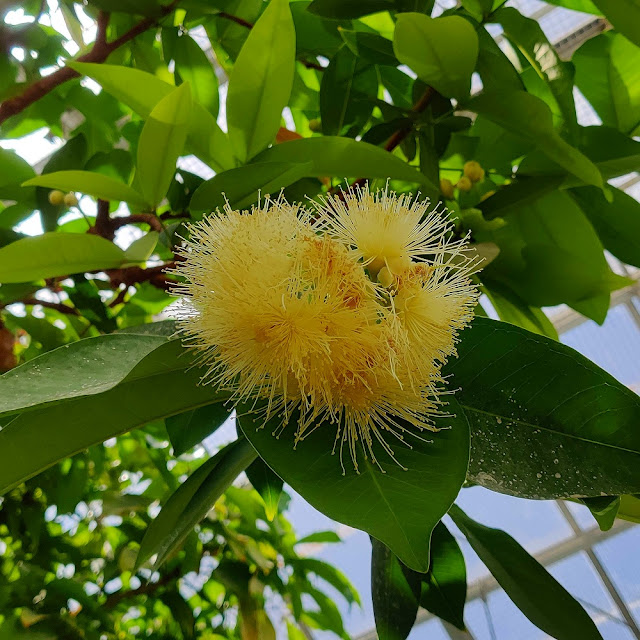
[[318, 93]]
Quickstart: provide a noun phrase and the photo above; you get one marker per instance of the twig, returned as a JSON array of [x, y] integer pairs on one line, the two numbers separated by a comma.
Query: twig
[[119, 299], [115, 598], [99, 53], [148, 218], [237, 19], [129, 276], [103, 226], [399, 135], [57, 306]]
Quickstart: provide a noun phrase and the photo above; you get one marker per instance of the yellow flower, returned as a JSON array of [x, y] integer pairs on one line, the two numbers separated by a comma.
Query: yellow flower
[[473, 170], [284, 312], [383, 229]]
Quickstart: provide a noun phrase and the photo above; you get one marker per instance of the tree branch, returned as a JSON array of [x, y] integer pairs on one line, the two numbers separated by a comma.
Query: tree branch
[[99, 53], [400, 134], [115, 598], [237, 19], [148, 218], [57, 306]]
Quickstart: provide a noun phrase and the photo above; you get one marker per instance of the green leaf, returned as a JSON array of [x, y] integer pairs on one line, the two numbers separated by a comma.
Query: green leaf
[[528, 117], [549, 253], [604, 509], [585, 6], [494, 67], [93, 184], [188, 429], [320, 537], [194, 67], [161, 143], [331, 575], [346, 9], [142, 91], [370, 46], [261, 80], [607, 73], [444, 588], [545, 421], [244, 185], [629, 508], [85, 367], [531, 588], [348, 89], [343, 157], [267, 484], [617, 222], [62, 429], [442, 51], [511, 308], [434, 475], [624, 15], [527, 35], [141, 249], [395, 591], [191, 502], [52, 255], [14, 170], [479, 9]]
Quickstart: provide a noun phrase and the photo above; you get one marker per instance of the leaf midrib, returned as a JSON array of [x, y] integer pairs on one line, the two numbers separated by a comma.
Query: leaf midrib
[[530, 425]]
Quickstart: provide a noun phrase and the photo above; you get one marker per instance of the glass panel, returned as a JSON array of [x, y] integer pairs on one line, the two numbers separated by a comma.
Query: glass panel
[[621, 560]]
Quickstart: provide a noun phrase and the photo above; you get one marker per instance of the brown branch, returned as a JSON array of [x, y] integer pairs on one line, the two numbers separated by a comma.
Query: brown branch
[[148, 218], [237, 19], [101, 32], [129, 276], [312, 65], [57, 306], [145, 589], [99, 53], [103, 226], [398, 136]]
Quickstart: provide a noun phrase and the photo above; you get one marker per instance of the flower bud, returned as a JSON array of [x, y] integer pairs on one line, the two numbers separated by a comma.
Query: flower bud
[[464, 184], [446, 187], [473, 171], [315, 125], [70, 200], [56, 197]]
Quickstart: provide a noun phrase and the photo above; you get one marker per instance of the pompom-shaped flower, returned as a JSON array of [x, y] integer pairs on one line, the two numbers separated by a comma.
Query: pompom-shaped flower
[[288, 313]]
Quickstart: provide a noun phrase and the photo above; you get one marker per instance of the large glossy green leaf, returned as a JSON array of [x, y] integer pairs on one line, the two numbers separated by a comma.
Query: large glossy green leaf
[[531, 587], [194, 67], [624, 15], [442, 51], [191, 502], [545, 421], [527, 35], [190, 428], [62, 429], [161, 143], [528, 117], [93, 184], [345, 158], [549, 253], [617, 222], [494, 67], [82, 368], [142, 91], [428, 486], [395, 591], [261, 80], [444, 588], [608, 74], [347, 92], [51, 255], [244, 185]]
